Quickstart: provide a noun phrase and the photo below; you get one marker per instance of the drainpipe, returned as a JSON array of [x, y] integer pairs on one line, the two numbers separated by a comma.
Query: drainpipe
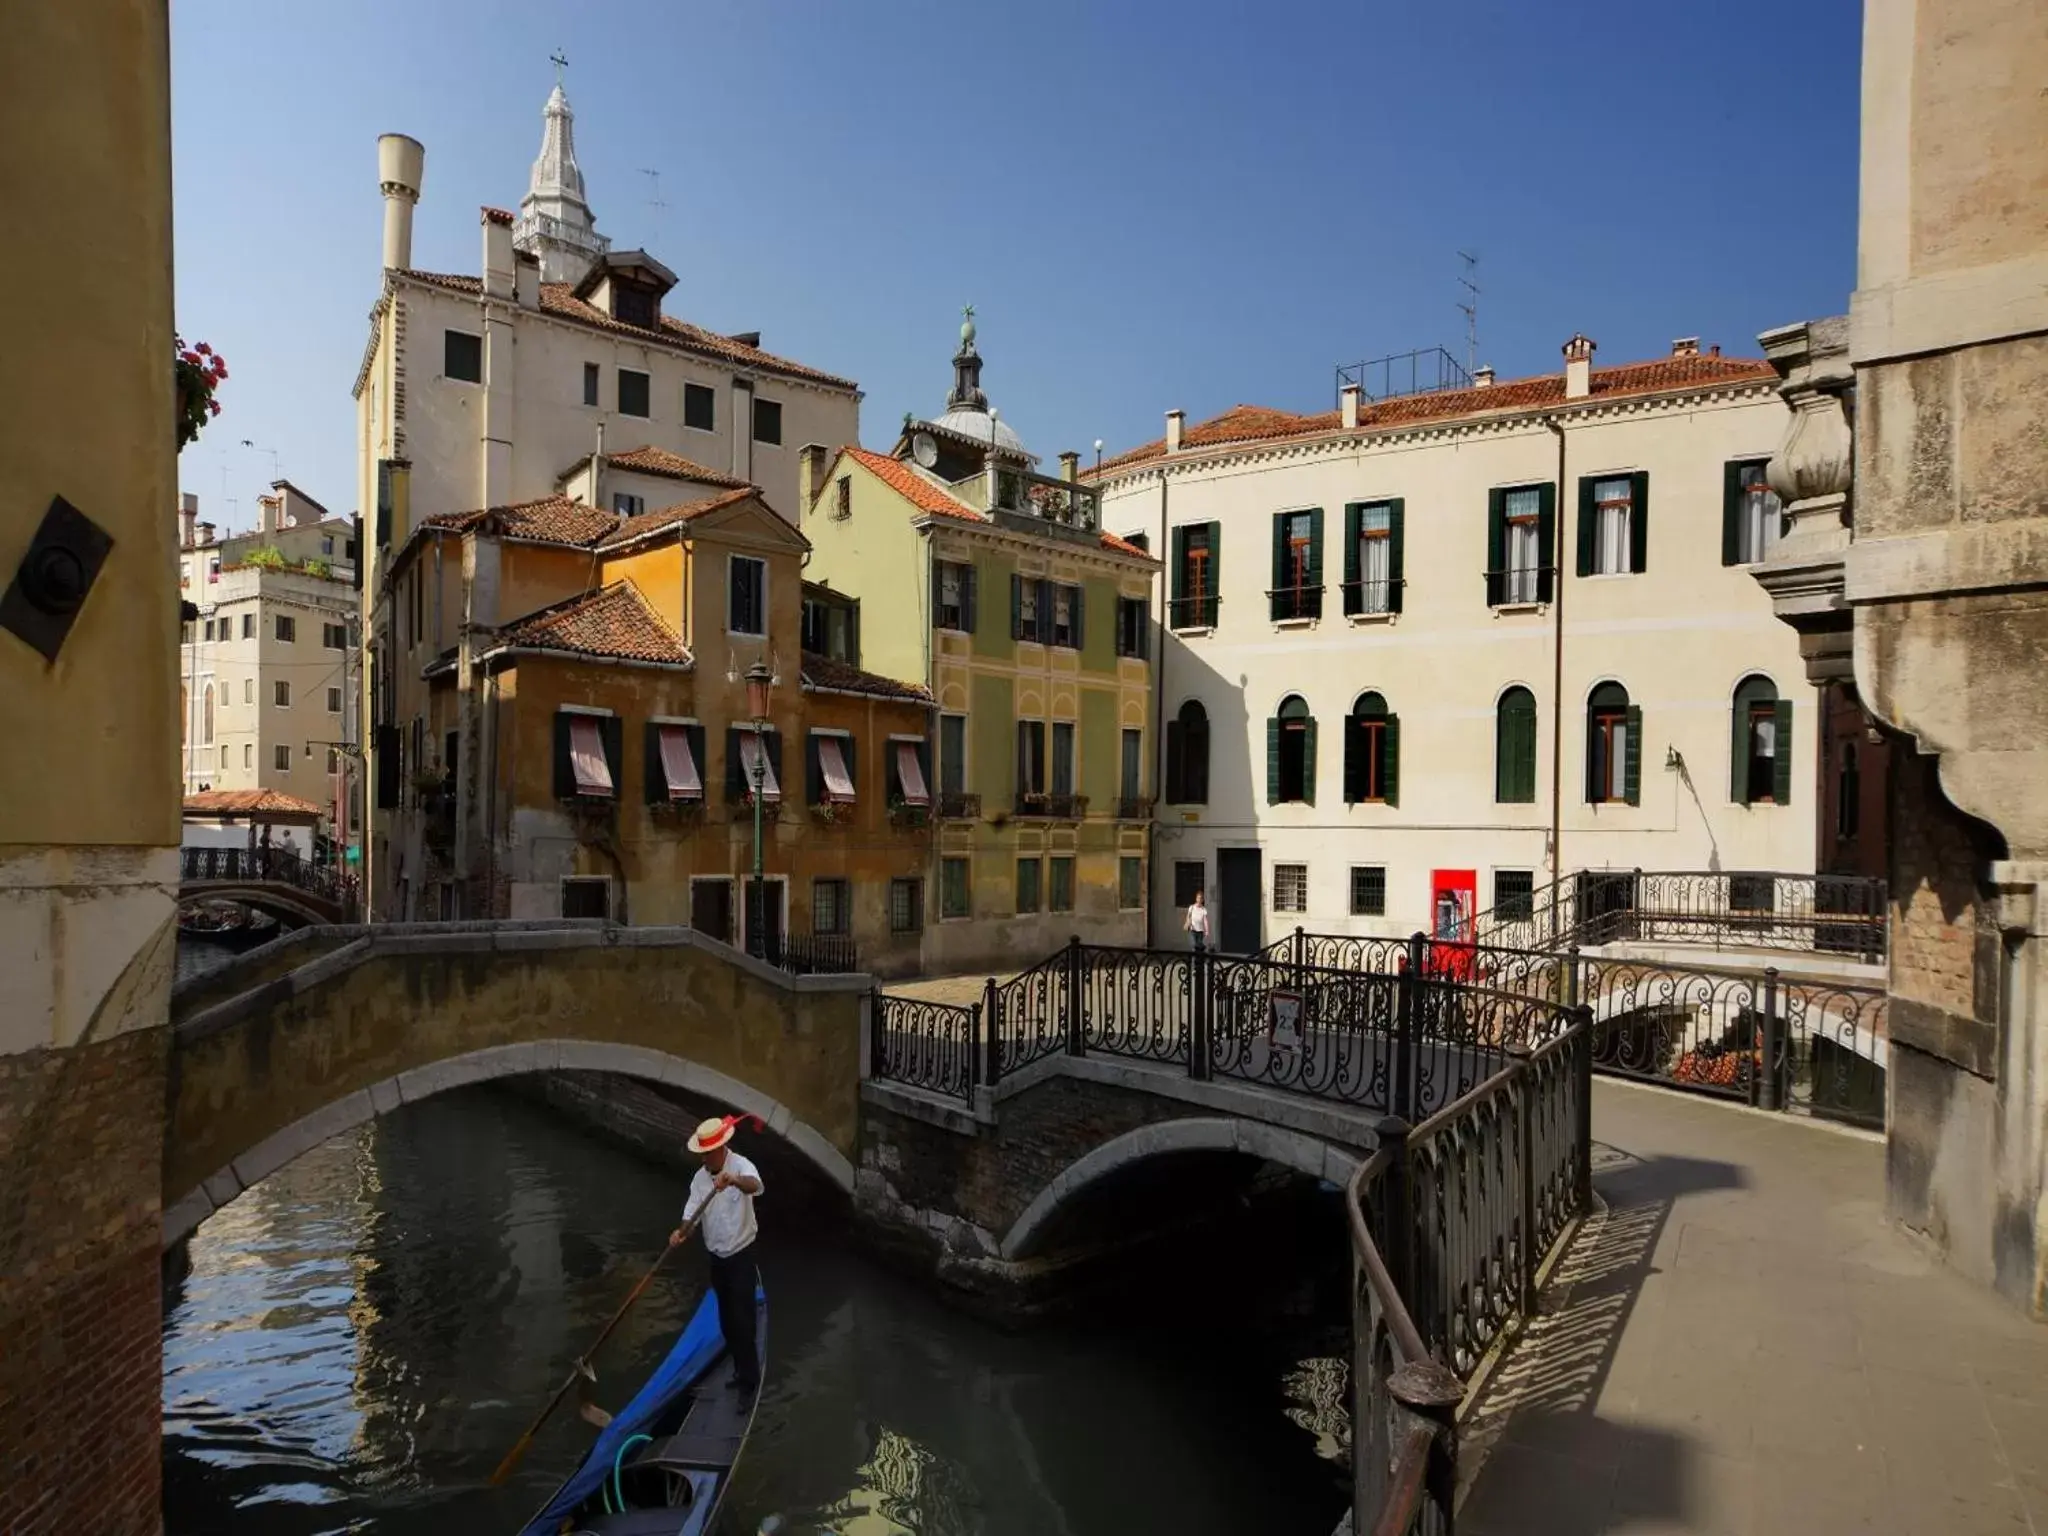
[[1557, 542], [1163, 553]]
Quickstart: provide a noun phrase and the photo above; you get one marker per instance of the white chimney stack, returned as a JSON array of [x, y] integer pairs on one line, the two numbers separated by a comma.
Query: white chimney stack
[[1176, 422], [267, 520], [1349, 395], [188, 520], [401, 166], [526, 279], [1482, 376], [1686, 346], [1578, 367], [498, 264]]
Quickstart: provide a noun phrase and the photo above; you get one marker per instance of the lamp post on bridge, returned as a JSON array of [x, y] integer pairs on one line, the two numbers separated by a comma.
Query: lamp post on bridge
[[759, 682]]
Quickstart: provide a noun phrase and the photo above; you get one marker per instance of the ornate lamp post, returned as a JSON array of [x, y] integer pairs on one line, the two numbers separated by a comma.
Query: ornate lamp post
[[759, 681]]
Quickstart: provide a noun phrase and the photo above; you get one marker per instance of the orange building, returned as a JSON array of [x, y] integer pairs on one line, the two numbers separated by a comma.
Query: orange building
[[564, 728]]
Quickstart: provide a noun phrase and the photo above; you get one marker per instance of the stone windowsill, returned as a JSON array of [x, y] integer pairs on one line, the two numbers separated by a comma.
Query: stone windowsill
[[1502, 610], [1301, 623], [1195, 631], [1358, 619]]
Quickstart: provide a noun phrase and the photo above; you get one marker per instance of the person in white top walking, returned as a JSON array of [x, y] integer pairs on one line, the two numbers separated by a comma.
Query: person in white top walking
[[1197, 923], [722, 1202]]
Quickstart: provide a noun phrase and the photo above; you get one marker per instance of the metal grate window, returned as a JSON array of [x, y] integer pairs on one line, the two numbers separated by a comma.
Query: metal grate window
[[830, 908], [1368, 890], [1514, 895], [906, 906], [1290, 887]]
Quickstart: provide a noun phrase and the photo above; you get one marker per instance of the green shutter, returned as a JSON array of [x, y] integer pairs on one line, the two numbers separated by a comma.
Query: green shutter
[[1514, 773], [654, 781], [1390, 746], [1315, 548], [1044, 635], [1308, 761], [1273, 761], [611, 731], [1738, 749], [1546, 540], [1589, 511], [1080, 616], [814, 771], [1639, 521], [1279, 581], [1496, 546], [735, 776], [565, 773], [772, 743], [1177, 614], [1396, 550], [1016, 607], [1781, 764], [1632, 768], [1731, 513], [967, 601], [1215, 572], [1351, 571]]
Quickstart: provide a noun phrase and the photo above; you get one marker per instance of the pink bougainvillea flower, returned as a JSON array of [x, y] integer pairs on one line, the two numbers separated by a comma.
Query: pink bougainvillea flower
[[203, 350]]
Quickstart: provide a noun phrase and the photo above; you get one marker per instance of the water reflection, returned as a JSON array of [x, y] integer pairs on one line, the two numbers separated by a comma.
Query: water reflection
[[361, 1336]]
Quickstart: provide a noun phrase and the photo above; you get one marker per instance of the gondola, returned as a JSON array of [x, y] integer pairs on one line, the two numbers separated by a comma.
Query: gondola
[[662, 1465]]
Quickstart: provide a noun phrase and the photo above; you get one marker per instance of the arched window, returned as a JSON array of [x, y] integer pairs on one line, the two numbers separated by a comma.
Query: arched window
[[206, 704], [1849, 795], [1759, 744], [1291, 754], [1187, 756], [1372, 752], [1614, 747], [1514, 748]]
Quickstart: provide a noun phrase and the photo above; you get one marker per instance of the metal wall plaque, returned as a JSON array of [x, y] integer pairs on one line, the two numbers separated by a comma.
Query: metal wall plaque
[[51, 583]]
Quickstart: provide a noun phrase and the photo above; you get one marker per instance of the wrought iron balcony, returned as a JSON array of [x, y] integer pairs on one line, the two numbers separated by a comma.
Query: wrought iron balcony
[[1134, 808], [1192, 612], [1055, 807], [959, 807], [1372, 596], [1296, 603], [1060, 503]]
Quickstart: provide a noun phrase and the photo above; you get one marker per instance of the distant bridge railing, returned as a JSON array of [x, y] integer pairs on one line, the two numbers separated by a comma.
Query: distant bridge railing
[[266, 866]]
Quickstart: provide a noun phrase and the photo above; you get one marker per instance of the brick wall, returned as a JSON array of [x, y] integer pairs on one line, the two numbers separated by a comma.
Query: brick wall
[[81, 1370]]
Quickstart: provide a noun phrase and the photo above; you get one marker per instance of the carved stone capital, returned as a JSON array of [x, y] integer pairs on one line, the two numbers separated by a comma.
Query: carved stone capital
[[1812, 473]]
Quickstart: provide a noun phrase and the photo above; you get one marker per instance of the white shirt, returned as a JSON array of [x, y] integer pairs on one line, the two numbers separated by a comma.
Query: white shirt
[[1198, 919], [729, 1216]]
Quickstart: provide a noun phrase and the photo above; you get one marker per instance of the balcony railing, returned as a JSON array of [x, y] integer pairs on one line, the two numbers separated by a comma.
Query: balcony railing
[[1372, 596], [1518, 584], [1134, 808], [1058, 807], [956, 805], [1296, 603], [1059, 502], [1192, 612]]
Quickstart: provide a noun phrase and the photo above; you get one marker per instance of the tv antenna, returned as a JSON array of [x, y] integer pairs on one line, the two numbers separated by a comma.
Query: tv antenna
[[654, 201], [1469, 307]]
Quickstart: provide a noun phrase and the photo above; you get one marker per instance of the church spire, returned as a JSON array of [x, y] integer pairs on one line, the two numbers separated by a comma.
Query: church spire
[[967, 395], [555, 222]]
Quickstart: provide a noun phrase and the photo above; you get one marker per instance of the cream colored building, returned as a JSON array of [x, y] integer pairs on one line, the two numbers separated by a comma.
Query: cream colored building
[[1427, 677]]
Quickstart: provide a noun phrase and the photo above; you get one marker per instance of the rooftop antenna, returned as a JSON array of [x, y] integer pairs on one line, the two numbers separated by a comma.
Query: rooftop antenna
[[654, 201], [1469, 307], [255, 447]]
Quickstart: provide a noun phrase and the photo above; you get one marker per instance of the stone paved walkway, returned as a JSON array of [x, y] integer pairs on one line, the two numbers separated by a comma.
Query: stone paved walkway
[[1743, 1345]]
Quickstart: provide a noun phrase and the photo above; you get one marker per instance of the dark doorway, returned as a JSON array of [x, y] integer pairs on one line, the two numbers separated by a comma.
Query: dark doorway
[[711, 909], [1240, 900], [764, 920]]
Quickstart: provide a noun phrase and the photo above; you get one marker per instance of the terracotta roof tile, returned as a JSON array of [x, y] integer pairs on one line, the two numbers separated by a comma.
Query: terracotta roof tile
[[671, 466], [614, 621], [547, 520], [1254, 423], [641, 524], [497, 215], [823, 672], [1123, 546], [907, 482], [560, 299], [249, 802]]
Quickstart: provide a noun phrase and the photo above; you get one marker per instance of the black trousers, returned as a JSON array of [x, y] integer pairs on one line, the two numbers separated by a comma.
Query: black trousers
[[733, 1281]]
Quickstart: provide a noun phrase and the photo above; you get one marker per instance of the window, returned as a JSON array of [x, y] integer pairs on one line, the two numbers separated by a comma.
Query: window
[[633, 393], [911, 779], [1130, 883], [1066, 616], [1187, 756], [842, 497], [1030, 759], [249, 626], [906, 906], [1514, 748], [1030, 609], [952, 754], [586, 755], [700, 409], [628, 505], [1372, 752], [326, 543], [1751, 516], [1514, 895], [675, 763], [281, 694], [334, 637], [1290, 887], [586, 898], [1368, 890], [1133, 626], [768, 422], [954, 606], [249, 755], [1196, 547], [1519, 526], [1298, 565], [1130, 780], [334, 701], [1029, 872], [1139, 540], [954, 900], [208, 629], [248, 690], [1063, 758], [1614, 514], [333, 760], [634, 306], [1613, 746], [829, 770], [224, 756], [1848, 794], [590, 383], [831, 909], [1760, 744], [1373, 557], [753, 758], [462, 356], [1062, 882], [1291, 754], [831, 627], [747, 603], [1188, 877], [281, 759], [287, 629]]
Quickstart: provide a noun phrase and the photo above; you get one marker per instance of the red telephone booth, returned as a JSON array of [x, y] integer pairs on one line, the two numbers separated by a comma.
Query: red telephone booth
[[1453, 905]]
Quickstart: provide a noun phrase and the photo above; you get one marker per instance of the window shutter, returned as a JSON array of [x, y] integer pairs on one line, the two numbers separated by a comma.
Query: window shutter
[[387, 768], [1588, 532], [1781, 764], [565, 775], [968, 595], [1496, 547], [1546, 540], [814, 773], [1390, 776], [1023, 758], [1593, 764], [1016, 607], [1738, 749], [611, 730], [1315, 548], [850, 751], [1273, 760], [1176, 778], [695, 735], [1308, 761], [654, 780], [1352, 574], [735, 595], [1632, 767], [735, 775], [772, 742], [383, 505], [1354, 761], [1279, 551], [1215, 573], [1178, 613], [1081, 617], [938, 590], [1639, 521], [1044, 635], [1396, 551], [1731, 513]]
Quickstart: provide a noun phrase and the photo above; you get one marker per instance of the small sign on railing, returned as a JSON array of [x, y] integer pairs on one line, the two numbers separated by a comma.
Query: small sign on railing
[[1283, 1020]]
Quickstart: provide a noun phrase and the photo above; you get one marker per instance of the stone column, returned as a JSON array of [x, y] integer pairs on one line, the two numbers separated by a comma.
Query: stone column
[[1811, 473]]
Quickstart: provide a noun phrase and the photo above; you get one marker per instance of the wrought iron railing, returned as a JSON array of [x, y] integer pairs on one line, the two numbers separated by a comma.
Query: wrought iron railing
[[266, 866], [1192, 612], [1296, 603], [1058, 807], [1134, 808], [925, 1044], [959, 807], [1364, 597], [817, 954]]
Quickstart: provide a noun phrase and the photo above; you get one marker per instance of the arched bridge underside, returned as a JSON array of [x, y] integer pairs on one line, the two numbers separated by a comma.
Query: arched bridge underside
[[317, 1033], [287, 903]]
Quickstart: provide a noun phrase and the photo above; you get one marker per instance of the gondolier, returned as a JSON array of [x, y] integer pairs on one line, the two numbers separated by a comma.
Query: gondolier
[[722, 1203]]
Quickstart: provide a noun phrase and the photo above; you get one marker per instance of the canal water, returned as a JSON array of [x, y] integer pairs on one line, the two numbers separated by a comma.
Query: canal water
[[352, 1345]]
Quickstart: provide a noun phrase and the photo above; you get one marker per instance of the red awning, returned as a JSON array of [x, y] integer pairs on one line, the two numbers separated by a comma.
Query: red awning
[[832, 765], [678, 766], [755, 764], [586, 757], [910, 774]]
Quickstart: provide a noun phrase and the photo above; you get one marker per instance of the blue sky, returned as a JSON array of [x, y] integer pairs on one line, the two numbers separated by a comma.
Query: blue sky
[[1151, 206]]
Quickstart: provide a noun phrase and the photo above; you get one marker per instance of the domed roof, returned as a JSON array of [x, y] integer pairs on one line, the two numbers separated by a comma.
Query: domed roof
[[983, 428]]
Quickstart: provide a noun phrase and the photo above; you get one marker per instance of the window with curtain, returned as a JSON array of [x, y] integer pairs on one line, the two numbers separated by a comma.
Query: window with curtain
[[1297, 591], [1029, 873], [1524, 544], [1752, 516], [1514, 748], [1375, 549], [1612, 503], [1760, 744], [1613, 746], [1371, 745]]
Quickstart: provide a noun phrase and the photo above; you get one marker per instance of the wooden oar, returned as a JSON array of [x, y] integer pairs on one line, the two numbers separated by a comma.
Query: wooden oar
[[581, 1369]]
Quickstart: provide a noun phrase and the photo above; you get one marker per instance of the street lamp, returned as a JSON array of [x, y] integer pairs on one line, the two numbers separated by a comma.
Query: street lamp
[[759, 681]]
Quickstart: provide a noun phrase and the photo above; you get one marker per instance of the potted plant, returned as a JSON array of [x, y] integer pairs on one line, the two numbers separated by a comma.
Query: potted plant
[[904, 814], [832, 812], [200, 372]]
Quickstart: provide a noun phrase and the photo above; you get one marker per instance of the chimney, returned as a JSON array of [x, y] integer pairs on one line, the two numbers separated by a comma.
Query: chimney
[[810, 470], [1070, 466], [497, 225], [1578, 367], [1176, 423], [401, 165], [1686, 346], [526, 279], [188, 520], [205, 533], [746, 338], [1714, 350], [1349, 395], [1482, 376], [266, 514]]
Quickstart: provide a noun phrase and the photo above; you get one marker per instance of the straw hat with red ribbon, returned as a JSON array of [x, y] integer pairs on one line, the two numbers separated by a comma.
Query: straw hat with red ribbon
[[717, 1131]]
